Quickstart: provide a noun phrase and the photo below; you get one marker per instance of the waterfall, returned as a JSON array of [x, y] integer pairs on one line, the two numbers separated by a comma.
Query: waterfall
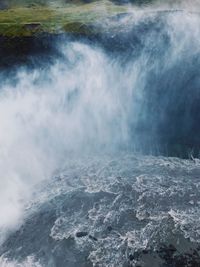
[[135, 91]]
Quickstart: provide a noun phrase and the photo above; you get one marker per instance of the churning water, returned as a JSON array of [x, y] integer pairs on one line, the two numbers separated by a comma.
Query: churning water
[[76, 188]]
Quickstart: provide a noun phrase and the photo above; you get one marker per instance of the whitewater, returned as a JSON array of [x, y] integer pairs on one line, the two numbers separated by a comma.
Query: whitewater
[[99, 147]]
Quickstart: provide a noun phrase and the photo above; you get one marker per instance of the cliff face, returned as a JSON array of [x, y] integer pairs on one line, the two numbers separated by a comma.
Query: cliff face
[[28, 30]]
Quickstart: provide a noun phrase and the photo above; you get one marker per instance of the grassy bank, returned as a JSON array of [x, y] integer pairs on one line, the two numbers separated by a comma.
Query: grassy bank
[[78, 18]]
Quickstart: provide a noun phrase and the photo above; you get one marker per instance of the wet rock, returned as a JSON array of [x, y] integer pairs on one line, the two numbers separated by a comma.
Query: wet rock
[[81, 234], [131, 257], [93, 238], [109, 228], [32, 26]]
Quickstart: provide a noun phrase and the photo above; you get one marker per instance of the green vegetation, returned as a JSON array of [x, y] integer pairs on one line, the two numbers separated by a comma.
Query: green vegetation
[[34, 19]]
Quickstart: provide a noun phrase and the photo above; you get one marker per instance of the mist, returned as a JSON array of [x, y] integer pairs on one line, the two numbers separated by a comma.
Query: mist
[[93, 101], [50, 115]]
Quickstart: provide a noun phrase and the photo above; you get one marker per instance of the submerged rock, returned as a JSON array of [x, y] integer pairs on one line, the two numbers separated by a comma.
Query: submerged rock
[[81, 234]]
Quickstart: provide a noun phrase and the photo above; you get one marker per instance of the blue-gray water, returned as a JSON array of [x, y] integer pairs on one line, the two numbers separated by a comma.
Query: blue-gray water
[[86, 139]]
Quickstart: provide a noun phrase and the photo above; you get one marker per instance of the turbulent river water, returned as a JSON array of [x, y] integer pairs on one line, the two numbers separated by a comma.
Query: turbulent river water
[[87, 176]]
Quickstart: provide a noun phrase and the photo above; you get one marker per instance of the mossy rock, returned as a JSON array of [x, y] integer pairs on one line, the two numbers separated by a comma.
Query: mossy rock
[[80, 18], [78, 28]]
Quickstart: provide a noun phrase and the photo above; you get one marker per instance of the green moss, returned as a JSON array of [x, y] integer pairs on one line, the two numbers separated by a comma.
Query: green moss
[[26, 21], [77, 27]]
